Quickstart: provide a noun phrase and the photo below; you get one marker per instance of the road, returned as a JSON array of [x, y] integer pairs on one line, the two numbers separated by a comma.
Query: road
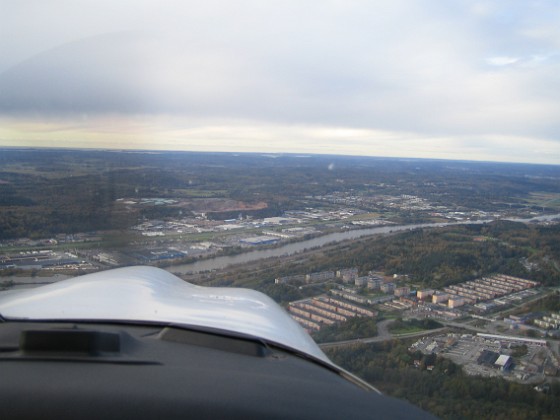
[[383, 334]]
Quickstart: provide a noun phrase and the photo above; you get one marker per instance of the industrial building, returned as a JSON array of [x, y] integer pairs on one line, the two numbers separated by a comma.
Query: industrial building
[[146, 256], [495, 360], [512, 339], [259, 240], [503, 362]]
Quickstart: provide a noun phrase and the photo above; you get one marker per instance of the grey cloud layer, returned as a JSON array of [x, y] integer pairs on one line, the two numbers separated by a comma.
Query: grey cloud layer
[[443, 68]]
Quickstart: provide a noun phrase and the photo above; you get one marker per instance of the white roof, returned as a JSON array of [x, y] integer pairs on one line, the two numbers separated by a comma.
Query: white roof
[[154, 295], [502, 360]]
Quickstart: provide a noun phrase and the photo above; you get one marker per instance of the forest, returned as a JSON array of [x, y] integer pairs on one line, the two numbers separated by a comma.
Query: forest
[[441, 387], [352, 329]]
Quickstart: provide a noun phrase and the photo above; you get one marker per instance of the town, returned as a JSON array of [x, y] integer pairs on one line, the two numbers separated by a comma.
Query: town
[[350, 295], [433, 263]]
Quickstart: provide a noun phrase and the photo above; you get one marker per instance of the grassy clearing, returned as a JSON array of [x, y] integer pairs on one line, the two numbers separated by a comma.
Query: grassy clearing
[[544, 199], [405, 330]]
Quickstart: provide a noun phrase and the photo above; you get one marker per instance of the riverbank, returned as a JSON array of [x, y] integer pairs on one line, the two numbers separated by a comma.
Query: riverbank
[[219, 263]]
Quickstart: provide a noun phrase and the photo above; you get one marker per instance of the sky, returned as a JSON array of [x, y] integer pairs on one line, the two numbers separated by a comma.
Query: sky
[[457, 79]]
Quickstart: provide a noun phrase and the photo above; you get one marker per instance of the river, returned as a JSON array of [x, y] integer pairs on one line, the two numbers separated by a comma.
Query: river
[[218, 263]]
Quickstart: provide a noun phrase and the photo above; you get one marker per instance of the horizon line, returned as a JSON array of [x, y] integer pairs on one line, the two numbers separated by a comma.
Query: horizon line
[[264, 154]]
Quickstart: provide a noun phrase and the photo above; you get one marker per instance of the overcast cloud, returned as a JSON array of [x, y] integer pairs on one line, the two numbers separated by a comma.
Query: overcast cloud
[[428, 78]]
